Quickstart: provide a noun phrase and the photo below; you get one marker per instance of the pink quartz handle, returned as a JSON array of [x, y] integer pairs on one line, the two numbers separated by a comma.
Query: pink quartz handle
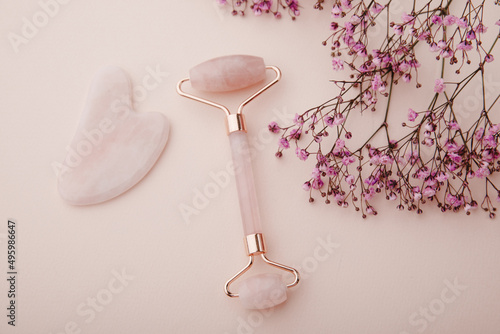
[[245, 183]]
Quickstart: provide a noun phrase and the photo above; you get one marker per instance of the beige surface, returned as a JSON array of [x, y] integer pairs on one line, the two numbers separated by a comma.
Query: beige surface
[[388, 274]]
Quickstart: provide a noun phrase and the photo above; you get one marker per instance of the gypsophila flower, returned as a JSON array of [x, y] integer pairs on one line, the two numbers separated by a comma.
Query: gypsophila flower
[[401, 169], [412, 115], [439, 86], [273, 127], [284, 143], [338, 64], [302, 154], [259, 7]]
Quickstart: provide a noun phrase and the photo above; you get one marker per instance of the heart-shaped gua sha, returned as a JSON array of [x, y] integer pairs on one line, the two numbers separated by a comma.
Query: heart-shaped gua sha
[[114, 147]]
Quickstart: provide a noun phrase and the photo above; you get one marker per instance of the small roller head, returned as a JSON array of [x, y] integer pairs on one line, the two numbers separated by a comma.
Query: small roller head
[[262, 291], [228, 73]]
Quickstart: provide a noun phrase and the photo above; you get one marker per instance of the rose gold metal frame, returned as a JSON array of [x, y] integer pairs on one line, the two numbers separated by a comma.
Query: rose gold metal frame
[[234, 122], [256, 245]]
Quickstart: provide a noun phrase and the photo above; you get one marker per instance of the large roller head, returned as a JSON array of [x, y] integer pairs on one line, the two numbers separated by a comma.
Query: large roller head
[[228, 73]]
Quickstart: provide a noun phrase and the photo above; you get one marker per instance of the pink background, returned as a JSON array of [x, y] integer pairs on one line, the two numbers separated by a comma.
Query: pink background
[[389, 274]]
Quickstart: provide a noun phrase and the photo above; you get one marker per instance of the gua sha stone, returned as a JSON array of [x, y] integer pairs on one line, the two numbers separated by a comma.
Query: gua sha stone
[[262, 291], [114, 146], [228, 73]]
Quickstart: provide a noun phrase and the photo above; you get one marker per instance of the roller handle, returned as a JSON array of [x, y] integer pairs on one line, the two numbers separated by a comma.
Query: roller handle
[[245, 184]]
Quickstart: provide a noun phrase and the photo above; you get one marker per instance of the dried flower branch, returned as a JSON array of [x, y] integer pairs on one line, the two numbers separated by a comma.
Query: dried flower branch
[[259, 7], [438, 160]]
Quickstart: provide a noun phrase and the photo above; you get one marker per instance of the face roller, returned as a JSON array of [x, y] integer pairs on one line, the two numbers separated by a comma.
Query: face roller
[[226, 74]]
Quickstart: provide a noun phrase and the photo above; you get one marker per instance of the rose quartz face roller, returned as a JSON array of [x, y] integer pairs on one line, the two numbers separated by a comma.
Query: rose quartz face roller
[[226, 74]]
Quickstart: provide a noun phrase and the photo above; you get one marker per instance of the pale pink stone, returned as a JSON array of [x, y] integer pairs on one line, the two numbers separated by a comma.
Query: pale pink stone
[[249, 207], [114, 147], [262, 291], [227, 73]]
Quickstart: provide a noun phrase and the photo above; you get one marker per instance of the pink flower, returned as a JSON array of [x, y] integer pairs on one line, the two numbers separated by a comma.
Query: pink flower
[[329, 120], [471, 35], [423, 36], [489, 58], [348, 160], [442, 177], [468, 207], [368, 195], [386, 160], [451, 166], [437, 20], [489, 141], [494, 129], [479, 134], [452, 147], [355, 19], [482, 172], [433, 47], [407, 18], [464, 46], [376, 82], [302, 154], [295, 133], [283, 143], [439, 86], [257, 11], [376, 8], [481, 28], [346, 4], [422, 173], [416, 194], [265, 4], [317, 183], [462, 23], [398, 29], [349, 31], [412, 115], [449, 20], [453, 200], [447, 53], [298, 119], [375, 159], [338, 119], [428, 192], [306, 186], [455, 157], [336, 11], [349, 179], [338, 64], [273, 127], [404, 66]]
